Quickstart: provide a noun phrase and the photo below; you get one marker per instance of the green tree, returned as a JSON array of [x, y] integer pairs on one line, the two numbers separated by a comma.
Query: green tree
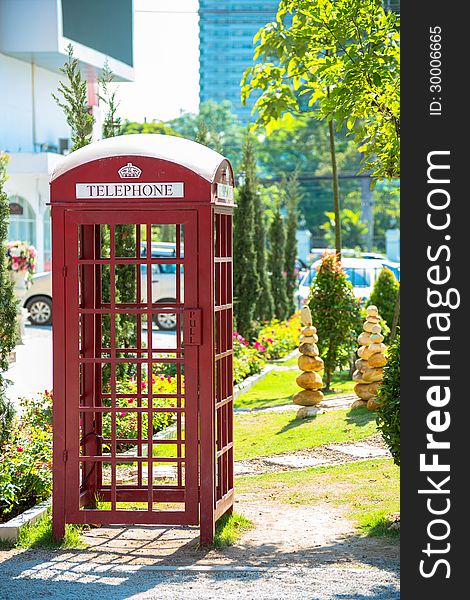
[[292, 196], [384, 295], [129, 127], [335, 183], [75, 102], [246, 284], [388, 411], [301, 144], [214, 126], [341, 57], [8, 332], [353, 229], [264, 309], [336, 314], [277, 257]]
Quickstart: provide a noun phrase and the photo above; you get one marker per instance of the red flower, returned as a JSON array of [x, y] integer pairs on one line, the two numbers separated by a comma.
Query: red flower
[[19, 449]]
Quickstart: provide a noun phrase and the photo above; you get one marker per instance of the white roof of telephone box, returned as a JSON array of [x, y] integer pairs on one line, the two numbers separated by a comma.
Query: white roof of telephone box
[[183, 152]]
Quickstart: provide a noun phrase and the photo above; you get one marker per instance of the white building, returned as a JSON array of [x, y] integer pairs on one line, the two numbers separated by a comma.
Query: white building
[[34, 35]]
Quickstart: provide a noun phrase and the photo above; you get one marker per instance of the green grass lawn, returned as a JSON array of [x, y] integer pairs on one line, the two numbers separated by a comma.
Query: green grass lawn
[[278, 387], [287, 363], [265, 433], [369, 491], [39, 535], [262, 434]]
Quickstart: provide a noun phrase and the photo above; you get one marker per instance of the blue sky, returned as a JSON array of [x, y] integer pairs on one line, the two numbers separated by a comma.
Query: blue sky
[[166, 59]]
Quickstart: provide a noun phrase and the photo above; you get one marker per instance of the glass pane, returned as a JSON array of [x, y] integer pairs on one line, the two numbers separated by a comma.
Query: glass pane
[[164, 284], [105, 237], [126, 284], [125, 241]]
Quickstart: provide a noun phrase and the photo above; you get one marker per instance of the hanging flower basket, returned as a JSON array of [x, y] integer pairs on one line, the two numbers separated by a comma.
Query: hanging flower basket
[[21, 261]]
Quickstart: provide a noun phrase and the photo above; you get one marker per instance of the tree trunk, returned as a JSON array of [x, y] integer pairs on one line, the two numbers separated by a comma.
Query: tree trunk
[[336, 203], [327, 380], [396, 314]]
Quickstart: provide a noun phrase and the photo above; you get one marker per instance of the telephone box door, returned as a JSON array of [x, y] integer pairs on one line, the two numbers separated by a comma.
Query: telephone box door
[[131, 356]]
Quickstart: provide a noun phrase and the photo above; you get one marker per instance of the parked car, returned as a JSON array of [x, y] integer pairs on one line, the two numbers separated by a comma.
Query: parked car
[[362, 272], [38, 299]]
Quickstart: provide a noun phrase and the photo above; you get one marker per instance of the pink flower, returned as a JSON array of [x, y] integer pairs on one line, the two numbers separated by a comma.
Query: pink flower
[[123, 414], [14, 266], [269, 340], [19, 449]]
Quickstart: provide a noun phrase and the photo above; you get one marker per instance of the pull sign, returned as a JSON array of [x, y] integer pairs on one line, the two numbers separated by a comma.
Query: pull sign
[[192, 327]]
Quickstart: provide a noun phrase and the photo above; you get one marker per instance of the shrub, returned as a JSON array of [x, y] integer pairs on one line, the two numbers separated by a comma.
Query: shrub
[[26, 459], [388, 412], [7, 414], [280, 337], [335, 314], [384, 295]]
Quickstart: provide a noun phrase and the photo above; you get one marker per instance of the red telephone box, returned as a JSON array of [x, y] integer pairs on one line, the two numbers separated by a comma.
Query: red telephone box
[[142, 334]]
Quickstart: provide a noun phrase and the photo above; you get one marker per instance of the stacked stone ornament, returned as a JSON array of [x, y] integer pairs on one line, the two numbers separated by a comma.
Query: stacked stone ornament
[[310, 364], [371, 361]]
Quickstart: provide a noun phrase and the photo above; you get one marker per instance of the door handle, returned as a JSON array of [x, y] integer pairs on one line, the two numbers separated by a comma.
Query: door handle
[[192, 327]]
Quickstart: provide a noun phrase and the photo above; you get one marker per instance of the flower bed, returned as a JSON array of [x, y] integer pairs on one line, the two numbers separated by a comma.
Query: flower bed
[[247, 360], [126, 421], [278, 338], [26, 458], [275, 340]]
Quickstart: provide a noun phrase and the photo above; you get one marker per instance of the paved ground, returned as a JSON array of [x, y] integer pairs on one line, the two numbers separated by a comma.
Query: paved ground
[[32, 371]]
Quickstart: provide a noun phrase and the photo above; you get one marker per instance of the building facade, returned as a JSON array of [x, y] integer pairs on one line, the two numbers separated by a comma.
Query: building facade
[[226, 32], [34, 35]]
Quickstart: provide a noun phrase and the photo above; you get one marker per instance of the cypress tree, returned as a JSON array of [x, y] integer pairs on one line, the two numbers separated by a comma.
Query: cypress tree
[[264, 309], [293, 196], [8, 333], [125, 234], [111, 122], [75, 102], [277, 250], [245, 277]]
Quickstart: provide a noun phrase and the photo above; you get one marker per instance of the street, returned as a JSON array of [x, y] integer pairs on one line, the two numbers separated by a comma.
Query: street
[[32, 371]]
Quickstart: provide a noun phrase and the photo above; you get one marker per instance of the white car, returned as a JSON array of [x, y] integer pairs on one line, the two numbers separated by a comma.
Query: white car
[[362, 272], [38, 299]]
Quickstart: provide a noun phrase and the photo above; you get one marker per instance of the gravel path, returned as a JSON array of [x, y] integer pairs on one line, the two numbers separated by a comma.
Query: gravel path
[[292, 552], [26, 578]]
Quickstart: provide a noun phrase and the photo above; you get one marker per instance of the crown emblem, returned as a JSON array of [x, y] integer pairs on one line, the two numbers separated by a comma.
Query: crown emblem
[[129, 171]]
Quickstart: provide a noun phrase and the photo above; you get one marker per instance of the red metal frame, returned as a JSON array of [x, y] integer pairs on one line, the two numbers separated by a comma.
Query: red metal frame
[[94, 475]]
